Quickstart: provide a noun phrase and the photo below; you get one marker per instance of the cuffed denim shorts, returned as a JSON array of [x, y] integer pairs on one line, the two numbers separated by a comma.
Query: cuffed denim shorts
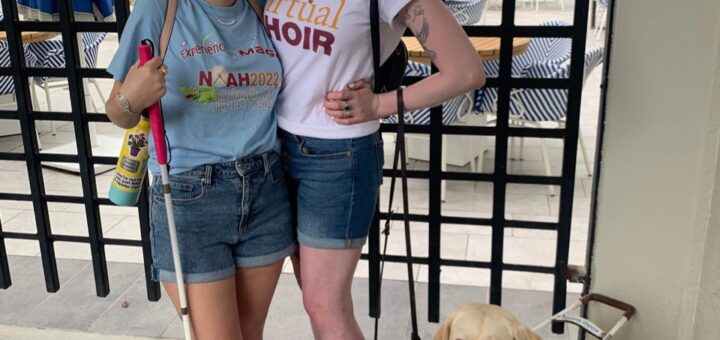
[[334, 185], [229, 215]]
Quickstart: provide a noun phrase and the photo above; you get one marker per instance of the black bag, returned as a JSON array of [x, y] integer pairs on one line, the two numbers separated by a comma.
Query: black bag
[[389, 75]]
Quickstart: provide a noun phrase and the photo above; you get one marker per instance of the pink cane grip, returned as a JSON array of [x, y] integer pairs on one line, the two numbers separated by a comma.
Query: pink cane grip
[[156, 120]]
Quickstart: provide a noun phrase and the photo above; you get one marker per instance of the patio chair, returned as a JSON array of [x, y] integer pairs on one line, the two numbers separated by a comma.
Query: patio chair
[[530, 107], [538, 2], [555, 50], [455, 111], [7, 84], [602, 8], [51, 54], [467, 12]]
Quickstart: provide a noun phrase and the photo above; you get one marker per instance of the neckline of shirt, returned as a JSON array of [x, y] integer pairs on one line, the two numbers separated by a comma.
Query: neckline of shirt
[[223, 12]]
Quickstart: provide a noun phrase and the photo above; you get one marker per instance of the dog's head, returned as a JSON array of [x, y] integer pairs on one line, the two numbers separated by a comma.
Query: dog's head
[[524, 333], [483, 322]]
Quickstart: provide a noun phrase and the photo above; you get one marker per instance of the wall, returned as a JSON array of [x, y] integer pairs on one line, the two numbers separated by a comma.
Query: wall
[[658, 210]]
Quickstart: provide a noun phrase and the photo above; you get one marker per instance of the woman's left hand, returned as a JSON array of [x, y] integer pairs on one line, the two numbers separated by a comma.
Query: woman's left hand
[[357, 104]]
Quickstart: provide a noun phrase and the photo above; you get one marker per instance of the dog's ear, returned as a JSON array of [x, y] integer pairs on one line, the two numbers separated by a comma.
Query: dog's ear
[[443, 333], [521, 332]]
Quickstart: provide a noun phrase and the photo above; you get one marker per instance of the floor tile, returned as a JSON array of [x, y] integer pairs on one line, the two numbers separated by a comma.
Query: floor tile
[[22, 247], [80, 294], [28, 286], [61, 223], [139, 317], [527, 205]]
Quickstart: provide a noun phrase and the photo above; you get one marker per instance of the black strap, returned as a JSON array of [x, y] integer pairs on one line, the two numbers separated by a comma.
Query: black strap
[[375, 33], [400, 158]]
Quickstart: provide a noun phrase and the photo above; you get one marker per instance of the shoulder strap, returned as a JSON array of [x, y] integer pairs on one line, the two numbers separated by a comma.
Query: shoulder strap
[[375, 32], [168, 25], [256, 8]]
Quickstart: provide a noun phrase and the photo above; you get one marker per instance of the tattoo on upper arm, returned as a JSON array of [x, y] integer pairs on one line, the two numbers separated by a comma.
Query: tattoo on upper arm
[[411, 16]]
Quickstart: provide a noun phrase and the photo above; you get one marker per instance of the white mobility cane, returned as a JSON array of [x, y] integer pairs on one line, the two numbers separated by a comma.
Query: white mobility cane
[[145, 51]]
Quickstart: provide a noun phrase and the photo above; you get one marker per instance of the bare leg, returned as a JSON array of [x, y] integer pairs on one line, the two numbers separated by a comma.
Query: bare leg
[[295, 260], [255, 289], [213, 310], [327, 278]]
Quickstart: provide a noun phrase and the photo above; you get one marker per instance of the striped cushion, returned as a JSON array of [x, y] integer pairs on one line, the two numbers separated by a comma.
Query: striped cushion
[[452, 109], [540, 51], [467, 12], [51, 53], [540, 105], [7, 86]]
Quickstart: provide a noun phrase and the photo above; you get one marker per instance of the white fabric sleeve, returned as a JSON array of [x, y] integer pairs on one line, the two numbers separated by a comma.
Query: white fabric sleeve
[[389, 9]]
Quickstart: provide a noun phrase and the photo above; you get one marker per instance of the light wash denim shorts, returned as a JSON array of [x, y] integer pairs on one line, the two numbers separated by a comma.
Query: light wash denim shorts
[[229, 215], [334, 185]]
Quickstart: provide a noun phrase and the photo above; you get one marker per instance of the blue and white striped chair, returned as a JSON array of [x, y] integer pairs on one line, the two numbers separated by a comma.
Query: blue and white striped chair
[[600, 25], [51, 54], [467, 12], [530, 107], [454, 110], [554, 50], [7, 84]]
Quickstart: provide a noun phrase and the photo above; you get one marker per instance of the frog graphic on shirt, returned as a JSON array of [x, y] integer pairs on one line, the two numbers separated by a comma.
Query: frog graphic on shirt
[[202, 94]]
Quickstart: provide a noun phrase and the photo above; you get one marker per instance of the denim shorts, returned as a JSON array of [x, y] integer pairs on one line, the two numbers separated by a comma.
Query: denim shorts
[[229, 215], [334, 185]]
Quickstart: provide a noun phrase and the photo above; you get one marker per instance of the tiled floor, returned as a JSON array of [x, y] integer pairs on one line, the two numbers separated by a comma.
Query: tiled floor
[[127, 311], [524, 202]]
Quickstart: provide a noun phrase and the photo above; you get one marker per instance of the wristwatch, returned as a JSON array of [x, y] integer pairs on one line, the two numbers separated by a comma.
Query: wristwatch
[[124, 104]]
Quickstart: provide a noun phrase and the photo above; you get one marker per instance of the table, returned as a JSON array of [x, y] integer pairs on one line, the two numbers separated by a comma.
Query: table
[[487, 48], [32, 37]]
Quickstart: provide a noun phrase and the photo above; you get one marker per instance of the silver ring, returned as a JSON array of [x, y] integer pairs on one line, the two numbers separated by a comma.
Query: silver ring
[[347, 108]]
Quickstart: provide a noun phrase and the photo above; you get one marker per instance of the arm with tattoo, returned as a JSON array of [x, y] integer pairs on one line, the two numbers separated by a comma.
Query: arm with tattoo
[[460, 67]]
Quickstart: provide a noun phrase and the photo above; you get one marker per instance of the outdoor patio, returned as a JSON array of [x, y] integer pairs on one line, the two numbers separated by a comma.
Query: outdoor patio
[[528, 295]]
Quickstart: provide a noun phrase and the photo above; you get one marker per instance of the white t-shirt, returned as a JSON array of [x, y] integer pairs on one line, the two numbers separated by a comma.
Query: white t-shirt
[[325, 45]]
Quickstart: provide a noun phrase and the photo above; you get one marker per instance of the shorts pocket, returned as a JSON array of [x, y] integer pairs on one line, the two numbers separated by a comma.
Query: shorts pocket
[[325, 148], [184, 190]]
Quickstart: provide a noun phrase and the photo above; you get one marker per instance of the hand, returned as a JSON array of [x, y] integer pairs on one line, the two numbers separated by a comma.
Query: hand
[[144, 86], [359, 98]]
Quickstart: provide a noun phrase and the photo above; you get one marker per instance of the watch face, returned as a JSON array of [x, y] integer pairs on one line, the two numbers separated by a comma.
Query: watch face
[[124, 104]]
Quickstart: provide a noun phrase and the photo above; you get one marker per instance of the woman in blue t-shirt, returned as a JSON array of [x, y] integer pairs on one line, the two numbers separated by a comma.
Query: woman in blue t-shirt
[[218, 84]]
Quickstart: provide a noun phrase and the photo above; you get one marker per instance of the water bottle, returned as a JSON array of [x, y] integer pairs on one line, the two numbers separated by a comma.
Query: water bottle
[[132, 165]]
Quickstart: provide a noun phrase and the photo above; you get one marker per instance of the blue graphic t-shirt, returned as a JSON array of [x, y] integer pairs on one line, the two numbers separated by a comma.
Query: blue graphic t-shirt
[[224, 77]]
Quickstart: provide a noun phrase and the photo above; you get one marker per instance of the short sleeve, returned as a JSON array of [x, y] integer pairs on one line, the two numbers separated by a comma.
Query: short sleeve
[[104, 7], [145, 22], [389, 9]]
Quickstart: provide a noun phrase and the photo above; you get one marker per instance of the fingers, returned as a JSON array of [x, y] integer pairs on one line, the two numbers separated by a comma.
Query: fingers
[[154, 63], [360, 84], [347, 94], [339, 95], [332, 105]]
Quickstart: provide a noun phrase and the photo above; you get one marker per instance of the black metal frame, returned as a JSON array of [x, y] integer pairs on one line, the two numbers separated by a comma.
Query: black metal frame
[[507, 30], [500, 178], [68, 28]]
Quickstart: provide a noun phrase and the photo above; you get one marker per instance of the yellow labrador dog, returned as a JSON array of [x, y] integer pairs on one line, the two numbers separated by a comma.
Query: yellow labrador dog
[[476, 321]]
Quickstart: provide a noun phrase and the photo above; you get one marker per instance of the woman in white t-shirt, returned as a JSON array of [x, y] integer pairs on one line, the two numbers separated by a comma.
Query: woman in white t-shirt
[[329, 119]]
